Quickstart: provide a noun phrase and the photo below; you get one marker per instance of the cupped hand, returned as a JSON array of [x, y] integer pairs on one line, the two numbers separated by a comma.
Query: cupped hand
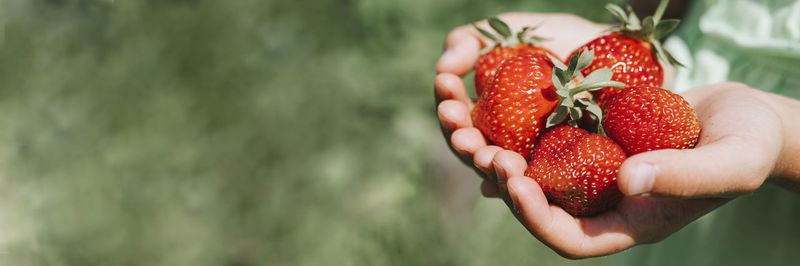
[[743, 139], [743, 142], [565, 33]]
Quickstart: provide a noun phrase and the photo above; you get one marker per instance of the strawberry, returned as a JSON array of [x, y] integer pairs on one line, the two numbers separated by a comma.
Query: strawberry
[[642, 119], [507, 45], [511, 112], [577, 170], [632, 50], [527, 94]]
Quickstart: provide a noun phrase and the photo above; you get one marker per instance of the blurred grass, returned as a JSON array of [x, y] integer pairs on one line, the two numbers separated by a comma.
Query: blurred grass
[[240, 133]]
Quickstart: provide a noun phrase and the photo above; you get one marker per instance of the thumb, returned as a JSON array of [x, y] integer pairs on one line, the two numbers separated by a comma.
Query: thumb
[[724, 168]]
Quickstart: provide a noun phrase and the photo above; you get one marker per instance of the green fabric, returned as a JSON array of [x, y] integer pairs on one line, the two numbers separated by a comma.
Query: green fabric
[[756, 43], [753, 42]]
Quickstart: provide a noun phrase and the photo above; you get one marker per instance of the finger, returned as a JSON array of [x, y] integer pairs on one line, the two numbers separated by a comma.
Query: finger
[[738, 147], [565, 32], [461, 51], [489, 189], [569, 236], [467, 33], [725, 168], [453, 115], [450, 87], [483, 160], [467, 141], [506, 164]]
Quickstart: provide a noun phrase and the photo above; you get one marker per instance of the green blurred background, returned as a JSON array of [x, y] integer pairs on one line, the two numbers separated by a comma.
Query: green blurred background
[[241, 132]]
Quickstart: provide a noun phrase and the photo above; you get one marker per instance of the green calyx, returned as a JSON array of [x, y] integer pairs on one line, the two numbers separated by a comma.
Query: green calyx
[[504, 36], [573, 87], [650, 29]]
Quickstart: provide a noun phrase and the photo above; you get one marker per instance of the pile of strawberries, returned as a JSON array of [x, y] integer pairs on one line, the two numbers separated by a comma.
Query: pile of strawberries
[[577, 121]]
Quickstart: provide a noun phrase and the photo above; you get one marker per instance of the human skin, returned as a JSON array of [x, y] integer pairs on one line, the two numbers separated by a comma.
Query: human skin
[[746, 140]]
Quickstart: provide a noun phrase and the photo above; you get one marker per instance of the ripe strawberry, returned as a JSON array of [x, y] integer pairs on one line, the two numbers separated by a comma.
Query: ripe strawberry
[[577, 170], [527, 94], [511, 113], [632, 50], [642, 119], [507, 45]]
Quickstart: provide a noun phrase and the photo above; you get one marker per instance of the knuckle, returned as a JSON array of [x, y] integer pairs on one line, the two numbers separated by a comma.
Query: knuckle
[[458, 34]]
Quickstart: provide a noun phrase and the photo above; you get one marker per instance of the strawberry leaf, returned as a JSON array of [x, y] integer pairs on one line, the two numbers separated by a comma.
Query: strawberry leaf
[[506, 38], [558, 115], [664, 55], [600, 75], [596, 86], [664, 27], [573, 63], [559, 72], [500, 27], [522, 36], [562, 77], [536, 38], [560, 90], [487, 34], [648, 26], [672, 59], [567, 102], [618, 12], [585, 59], [633, 21], [563, 93], [557, 62]]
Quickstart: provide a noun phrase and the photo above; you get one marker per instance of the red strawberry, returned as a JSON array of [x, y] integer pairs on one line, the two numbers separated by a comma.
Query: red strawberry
[[577, 170], [642, 119], [513, 111], [507, 46], [528, 94], [632, 50], [630, 59]]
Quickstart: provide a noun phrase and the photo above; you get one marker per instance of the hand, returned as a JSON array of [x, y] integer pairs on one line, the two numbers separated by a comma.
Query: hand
[[744, 140], [565, 33]]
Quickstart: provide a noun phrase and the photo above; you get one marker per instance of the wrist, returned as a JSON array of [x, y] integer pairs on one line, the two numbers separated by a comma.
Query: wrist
[[787, 168]]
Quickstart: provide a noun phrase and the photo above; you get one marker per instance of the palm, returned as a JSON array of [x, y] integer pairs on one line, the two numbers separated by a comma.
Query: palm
[[723, 110], [635, 220]]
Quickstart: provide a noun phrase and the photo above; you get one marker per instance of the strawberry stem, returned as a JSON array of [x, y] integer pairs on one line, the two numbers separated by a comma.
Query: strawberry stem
[[572, 86]]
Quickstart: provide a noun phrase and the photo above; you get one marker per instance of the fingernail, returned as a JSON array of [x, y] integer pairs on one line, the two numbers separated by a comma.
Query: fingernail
[[642, 182]]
